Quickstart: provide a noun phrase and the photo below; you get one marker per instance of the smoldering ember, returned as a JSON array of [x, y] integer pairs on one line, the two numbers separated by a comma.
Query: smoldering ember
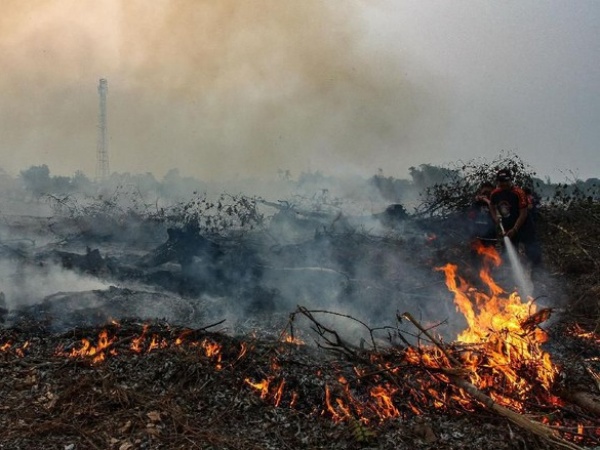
[[313, 312]]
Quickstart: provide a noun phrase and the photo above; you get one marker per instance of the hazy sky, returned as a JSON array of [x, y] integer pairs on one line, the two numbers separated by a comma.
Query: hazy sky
[[219, 88]]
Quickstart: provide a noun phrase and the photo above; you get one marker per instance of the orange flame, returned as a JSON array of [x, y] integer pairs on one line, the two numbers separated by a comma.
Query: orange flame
[[384, 406], [496, 322], [279, 393], [20, 351], [289, 339], [261, 386], [212, 350], [137, 343], [577, 331], [96, 353]]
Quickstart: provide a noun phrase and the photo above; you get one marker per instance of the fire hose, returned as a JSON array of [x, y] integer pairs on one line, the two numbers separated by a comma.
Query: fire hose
[[501, 225]]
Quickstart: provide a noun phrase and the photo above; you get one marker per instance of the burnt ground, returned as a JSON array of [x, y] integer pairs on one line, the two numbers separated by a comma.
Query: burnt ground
[[182, 396], [76, 278]]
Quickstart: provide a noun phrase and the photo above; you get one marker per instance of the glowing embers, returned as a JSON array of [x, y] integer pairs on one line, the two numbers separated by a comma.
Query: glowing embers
[[19, 350], [290, 339], [343, 403], [577, 331], [97, 350]]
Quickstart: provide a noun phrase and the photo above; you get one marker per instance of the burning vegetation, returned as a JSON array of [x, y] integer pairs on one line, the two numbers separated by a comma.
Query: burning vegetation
[[189, 333]]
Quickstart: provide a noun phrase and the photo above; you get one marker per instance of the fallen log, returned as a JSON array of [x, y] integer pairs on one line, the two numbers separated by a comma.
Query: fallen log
[[585, 400], [537, 428]]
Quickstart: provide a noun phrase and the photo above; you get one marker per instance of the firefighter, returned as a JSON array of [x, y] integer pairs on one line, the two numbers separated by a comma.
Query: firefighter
[[510, 208]]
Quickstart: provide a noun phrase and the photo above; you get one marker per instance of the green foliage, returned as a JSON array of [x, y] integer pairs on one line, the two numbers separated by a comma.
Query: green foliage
[[360, 432]]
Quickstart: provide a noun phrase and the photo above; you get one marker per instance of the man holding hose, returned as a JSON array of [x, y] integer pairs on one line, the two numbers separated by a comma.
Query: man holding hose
[[509, 209]]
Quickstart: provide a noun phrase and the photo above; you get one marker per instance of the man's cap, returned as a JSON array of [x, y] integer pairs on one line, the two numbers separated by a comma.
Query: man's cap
[[504, 175]]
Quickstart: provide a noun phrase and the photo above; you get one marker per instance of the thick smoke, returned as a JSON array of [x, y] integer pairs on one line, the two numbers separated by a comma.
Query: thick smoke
[[217, 89], [26, 284], [222, 90]]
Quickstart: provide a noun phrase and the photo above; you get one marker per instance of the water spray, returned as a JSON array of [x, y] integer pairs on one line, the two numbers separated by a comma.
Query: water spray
[[524, 288]]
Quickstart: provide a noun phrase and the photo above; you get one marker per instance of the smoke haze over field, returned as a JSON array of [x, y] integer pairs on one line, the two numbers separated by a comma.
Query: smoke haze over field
[[232, 88]]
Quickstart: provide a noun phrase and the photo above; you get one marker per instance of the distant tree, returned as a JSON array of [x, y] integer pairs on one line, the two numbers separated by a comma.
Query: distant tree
[[60, 185], [391, 189], [37, 180], [81, 183], [427, 175]]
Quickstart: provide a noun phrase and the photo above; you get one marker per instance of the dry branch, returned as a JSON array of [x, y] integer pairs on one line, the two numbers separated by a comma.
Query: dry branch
[[536, 428], [585, 400]]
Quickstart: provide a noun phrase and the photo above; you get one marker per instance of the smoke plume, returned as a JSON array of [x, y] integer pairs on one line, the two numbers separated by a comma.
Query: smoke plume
[[218, 89]]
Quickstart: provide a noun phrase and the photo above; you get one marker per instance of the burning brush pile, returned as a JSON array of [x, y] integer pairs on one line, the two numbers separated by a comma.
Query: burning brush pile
[[130, 385]]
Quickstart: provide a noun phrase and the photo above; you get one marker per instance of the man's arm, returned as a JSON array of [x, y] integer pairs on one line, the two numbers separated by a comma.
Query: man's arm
[[519, 223]]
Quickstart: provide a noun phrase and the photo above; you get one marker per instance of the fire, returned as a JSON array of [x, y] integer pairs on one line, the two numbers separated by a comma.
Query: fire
[[383, 401], [289, 339], [268, 390], [137, 343], [279, 393], [211, 348], [98, 352], [499, 353], [20, 351], [501, 335], [339, 411], [157, 342], [577, 331], [261, 386], [243, 351]]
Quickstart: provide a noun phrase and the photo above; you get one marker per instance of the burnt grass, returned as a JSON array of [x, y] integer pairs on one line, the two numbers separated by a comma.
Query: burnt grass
[[178, 397]]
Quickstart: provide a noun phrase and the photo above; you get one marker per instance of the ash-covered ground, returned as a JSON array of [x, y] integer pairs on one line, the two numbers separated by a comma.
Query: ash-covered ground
[[83, 261], [241, 267]]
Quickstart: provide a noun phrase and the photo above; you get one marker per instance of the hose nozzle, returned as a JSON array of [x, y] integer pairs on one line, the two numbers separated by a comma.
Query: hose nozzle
[[501, 225]]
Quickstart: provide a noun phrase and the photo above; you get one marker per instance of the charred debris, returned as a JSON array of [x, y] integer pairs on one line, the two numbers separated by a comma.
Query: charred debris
[[257, 255], [190, 334]]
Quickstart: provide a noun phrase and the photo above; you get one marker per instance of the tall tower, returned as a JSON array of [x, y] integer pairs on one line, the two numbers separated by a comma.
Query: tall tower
[[102, 170]]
